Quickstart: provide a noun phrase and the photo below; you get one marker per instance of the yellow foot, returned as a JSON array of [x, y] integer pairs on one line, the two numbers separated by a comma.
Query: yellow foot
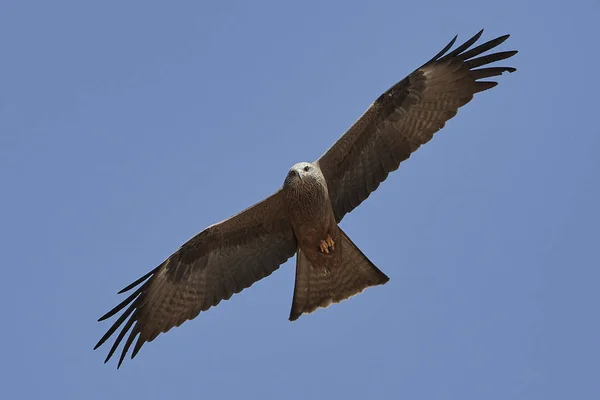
[[330, 242], [327, 245]]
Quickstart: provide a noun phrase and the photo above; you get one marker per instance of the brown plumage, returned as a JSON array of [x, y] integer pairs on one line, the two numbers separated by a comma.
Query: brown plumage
[[303, 216]]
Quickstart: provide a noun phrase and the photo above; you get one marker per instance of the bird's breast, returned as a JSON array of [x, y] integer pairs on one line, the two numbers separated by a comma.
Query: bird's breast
[[308, 203], [312, 218]]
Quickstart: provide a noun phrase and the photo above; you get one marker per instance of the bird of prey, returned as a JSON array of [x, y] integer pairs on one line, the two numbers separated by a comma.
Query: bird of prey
[[302, 217]]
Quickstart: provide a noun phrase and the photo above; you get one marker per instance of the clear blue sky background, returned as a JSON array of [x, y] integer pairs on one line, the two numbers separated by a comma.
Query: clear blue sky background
[[127, 127]]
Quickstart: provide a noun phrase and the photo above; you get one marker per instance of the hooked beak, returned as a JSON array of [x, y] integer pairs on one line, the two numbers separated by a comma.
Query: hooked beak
[[299, 175]]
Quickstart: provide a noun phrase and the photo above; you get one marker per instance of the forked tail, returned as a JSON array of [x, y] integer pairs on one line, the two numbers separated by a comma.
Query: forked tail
[[317, 287]]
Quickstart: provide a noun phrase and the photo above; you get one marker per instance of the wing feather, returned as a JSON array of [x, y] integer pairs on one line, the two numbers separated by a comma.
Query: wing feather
[[220, 261], [405, 117]]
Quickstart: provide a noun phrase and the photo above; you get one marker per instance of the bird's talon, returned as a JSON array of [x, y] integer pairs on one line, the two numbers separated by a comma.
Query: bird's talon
[[326, 245], [330, 242]]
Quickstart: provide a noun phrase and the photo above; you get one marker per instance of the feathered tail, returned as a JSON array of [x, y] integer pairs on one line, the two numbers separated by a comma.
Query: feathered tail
[[318, 287]]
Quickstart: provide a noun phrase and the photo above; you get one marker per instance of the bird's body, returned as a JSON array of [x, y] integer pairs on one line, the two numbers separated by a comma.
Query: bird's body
[[302, 217], [330, 268], [309, 208]]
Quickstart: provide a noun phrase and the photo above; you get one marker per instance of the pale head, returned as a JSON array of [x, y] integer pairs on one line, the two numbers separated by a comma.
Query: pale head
[[303, 173]]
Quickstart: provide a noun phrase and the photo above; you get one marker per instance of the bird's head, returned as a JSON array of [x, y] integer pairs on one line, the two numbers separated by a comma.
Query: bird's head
[[301, 174]]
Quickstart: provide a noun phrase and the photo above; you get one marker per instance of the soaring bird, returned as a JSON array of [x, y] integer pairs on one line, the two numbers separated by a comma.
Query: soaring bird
[[303, 216]]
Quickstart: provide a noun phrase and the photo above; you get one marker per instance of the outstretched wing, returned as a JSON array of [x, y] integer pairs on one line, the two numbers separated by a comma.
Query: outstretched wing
[[405, 117], [222, 260]]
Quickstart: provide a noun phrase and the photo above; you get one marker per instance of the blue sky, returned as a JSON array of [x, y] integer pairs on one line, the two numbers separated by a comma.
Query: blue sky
[[127, 127]]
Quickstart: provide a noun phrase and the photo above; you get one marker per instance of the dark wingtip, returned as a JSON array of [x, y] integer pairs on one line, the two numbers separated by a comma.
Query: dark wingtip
[[121, 358], [109, 314], [443, 51], [127, 345], [488, 59], [138, 345], [462, 47], [127, 288], [121, 305], [484, 85], [131, 301], [476, 36], [502, 38], [137, 282]]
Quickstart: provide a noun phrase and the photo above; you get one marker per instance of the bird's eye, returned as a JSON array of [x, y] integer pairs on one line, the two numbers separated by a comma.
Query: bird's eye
[[306, 168]]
